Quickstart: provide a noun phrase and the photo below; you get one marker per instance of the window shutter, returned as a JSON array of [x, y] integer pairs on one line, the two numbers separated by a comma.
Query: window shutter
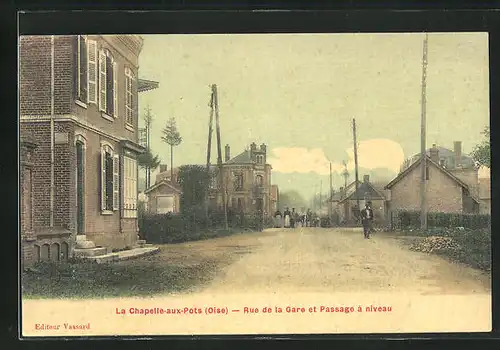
[[92, 71], [116, 182], [77, 65], [102, 81], [115, 90], [103, 179]]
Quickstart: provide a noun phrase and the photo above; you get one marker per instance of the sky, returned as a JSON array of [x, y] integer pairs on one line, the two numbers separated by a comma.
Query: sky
[[298, 94]]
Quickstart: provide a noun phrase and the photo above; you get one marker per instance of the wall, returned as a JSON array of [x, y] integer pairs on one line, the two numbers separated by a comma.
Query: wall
[[35, 75], [470, 177], [91, 114], [64, 175], [443, 193]]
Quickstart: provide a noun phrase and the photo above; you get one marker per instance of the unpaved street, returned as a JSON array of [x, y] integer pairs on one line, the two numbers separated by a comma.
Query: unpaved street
[[307, 269], [333, 260]]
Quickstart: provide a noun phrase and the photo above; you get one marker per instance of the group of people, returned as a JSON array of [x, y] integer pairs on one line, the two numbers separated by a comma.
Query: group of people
[[292, 219]]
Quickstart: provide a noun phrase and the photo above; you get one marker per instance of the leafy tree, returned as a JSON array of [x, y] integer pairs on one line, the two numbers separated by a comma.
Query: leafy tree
[[172, 137], [148, 160], [291, 199], [481, 153], [194, 181]]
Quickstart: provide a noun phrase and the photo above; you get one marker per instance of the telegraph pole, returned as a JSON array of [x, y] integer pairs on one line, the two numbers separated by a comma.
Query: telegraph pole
[[219, 152], [423, 155], [148, 119], [355, 161], [331, 193], [320, 196], [209, 145]]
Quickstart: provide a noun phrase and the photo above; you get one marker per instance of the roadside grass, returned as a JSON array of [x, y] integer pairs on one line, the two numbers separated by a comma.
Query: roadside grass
[[161, 273], [142, 277], [467, 246]]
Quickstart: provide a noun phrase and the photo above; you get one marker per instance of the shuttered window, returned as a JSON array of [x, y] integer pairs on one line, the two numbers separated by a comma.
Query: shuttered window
[[81, 72], [129, 96], [108, 84], [130, 187], [115, 90], [110, 180], [102, 81], [92, 71]]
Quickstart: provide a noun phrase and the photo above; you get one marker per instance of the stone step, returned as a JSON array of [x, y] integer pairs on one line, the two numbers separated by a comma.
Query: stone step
[[101, 259], [90, 252]]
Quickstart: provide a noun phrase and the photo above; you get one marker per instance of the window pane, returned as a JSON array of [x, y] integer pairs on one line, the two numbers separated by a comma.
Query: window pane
[[164, 204]]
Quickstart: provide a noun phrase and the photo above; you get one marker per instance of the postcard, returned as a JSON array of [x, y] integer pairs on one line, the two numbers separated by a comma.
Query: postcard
[[217, 184]]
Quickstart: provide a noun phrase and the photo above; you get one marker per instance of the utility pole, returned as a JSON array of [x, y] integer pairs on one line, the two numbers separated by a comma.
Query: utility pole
[[423, 201], [331, 193], [148, 119], [355, 161], [320, 196], [219, 152], [209, 145]]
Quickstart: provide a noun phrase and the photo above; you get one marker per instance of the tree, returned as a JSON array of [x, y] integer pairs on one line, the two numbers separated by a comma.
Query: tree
[[172, 137], [147, 160], [194, 181], [481, 153], [291, 199]]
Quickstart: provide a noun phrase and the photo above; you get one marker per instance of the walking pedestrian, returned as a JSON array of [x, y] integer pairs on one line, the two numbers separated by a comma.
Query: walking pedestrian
[[287, 216], [367, 219]]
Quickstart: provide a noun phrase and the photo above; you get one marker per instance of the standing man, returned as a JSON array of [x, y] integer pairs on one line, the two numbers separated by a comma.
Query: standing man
[[367, 219]]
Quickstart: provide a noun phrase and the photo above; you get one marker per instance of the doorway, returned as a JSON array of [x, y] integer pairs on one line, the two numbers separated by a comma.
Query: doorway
[[80, 188]]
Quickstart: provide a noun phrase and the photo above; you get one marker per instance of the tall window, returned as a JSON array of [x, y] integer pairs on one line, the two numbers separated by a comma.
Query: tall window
[[108, 86], [238, 181], [130, 187], [129, 99], [81, 69], [259, 180], [109, 180], [92, 71]]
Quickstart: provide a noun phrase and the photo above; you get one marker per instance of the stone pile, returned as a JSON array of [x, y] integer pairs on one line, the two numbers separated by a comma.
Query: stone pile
[[435, 244]]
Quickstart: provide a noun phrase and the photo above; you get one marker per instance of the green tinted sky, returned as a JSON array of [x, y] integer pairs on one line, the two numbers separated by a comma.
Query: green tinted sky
[[302, 91]]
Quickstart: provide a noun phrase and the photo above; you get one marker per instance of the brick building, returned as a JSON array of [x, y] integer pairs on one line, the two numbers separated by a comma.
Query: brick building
[[449, 189], [246, 180], [78, 106]]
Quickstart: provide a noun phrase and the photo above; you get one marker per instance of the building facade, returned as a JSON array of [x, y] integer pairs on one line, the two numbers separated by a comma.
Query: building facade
[[447, 190], [78, 104], [345, 202], [246, 182]]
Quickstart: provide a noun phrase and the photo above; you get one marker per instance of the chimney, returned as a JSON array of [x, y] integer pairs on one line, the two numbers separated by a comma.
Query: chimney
[[253, 147], [366, 179], [263, 148], [163, 168], [434, 154], [228, 153], [457, 145]]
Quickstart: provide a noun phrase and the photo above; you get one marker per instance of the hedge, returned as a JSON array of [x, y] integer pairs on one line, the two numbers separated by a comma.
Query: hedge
[[404, 219], [177, 228]]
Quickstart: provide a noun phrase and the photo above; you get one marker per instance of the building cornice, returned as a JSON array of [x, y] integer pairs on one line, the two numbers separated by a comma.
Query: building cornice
[[133, 42], [122, 43], [71, 118]]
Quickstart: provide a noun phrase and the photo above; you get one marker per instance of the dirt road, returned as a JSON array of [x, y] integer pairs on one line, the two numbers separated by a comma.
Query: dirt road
[[330, 260], [289, 281]]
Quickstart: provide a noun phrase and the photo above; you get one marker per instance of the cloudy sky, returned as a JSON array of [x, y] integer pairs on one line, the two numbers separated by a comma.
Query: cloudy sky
[[298, 93]]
